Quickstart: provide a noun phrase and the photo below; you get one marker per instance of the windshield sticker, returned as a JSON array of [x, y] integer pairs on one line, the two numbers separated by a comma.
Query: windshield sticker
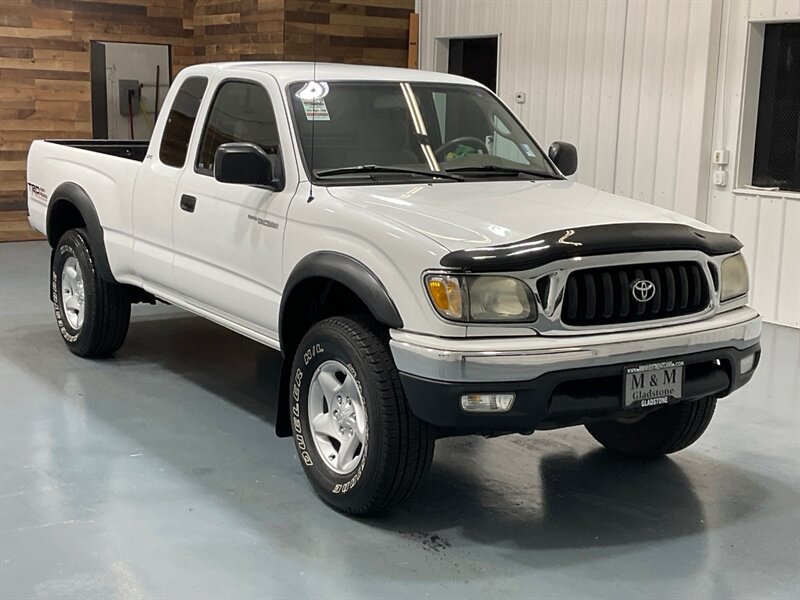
[[312, 90], [316, 110], [527, 150]]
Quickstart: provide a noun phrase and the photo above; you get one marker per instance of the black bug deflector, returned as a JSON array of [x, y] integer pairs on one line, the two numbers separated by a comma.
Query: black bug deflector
[[595, 240]]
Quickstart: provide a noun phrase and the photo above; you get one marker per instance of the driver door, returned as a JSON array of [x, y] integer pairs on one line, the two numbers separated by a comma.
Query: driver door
[[229, 237]]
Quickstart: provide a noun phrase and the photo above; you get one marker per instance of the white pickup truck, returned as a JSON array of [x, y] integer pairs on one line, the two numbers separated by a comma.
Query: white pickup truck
[[423, 265]]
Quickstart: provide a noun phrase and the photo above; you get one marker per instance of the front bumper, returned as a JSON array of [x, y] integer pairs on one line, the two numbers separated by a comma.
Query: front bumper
[[560, 381]]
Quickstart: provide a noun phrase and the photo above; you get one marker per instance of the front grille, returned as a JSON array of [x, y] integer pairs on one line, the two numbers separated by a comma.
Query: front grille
[[604, 295]]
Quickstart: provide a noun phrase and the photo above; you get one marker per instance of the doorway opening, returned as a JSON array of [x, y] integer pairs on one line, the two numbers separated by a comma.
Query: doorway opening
[[129, 82], [475, 58]]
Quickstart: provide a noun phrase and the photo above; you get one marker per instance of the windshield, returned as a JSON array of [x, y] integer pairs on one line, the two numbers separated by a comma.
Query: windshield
[[415, 128]]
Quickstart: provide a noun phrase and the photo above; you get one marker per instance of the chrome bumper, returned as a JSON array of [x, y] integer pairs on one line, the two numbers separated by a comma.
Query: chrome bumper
[[528, 357]]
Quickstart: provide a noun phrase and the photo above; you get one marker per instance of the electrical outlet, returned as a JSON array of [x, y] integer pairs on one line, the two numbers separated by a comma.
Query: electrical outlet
[[720, 178]]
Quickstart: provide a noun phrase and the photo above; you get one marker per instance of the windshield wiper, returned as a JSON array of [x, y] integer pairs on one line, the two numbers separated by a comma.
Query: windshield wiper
[[368, 169], [494, 169]]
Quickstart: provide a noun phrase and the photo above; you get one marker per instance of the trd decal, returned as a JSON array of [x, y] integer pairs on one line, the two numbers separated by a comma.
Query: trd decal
[[38, 192]]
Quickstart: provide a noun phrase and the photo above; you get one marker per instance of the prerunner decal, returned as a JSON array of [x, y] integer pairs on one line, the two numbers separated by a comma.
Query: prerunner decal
[[263, 222]]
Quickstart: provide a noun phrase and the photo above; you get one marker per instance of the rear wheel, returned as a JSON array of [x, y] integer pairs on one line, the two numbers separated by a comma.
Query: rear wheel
[[92, 315], [663, 431], [362, 449]]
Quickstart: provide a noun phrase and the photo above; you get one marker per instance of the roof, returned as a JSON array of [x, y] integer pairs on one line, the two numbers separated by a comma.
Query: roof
[[287, 72]]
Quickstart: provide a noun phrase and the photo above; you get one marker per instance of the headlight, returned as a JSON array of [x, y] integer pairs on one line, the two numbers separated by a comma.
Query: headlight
[[499, 299], [481, 298], [733, 278]]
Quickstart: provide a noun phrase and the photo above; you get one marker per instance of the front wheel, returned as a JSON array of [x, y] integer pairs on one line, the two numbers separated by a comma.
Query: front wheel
[[663, 431], [92, 315], [362, 449]]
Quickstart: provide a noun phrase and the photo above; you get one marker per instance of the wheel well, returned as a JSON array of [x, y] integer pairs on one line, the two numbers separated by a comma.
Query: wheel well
[[313, 300], [64, 215]]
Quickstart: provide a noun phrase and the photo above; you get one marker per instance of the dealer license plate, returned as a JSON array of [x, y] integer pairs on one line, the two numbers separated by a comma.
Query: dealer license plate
[[653, 384]]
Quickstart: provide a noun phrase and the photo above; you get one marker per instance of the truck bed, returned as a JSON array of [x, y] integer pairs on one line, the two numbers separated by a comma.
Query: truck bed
[[104, 170], [132, 149]]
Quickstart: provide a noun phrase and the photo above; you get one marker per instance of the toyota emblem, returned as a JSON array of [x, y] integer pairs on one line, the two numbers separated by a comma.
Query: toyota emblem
[[643, 290]]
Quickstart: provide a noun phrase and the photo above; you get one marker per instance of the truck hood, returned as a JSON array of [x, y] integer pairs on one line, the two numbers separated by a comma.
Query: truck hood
[[474, 214]]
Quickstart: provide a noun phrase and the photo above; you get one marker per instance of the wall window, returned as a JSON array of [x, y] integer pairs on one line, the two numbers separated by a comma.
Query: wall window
[[241, 112], [776, 159], [178, 130]]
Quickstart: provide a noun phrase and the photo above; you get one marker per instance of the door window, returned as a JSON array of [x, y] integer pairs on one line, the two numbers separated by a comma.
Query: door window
[[241, 112], [182, 115]]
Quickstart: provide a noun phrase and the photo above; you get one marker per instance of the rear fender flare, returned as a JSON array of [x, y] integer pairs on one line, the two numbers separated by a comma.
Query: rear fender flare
[[75, 195]]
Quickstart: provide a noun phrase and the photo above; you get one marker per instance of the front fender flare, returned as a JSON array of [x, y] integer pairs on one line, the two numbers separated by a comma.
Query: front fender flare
[[350, 273]]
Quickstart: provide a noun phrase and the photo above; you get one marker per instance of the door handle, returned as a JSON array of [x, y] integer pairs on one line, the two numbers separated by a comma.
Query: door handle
[[188, 203]]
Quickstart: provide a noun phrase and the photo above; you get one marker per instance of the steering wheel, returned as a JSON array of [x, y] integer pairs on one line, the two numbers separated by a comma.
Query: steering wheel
[[464, 139]]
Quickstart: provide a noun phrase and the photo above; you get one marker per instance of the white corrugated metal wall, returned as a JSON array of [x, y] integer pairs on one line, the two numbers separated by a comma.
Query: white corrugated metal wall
[[632, 83], [666, 103], [768, 224], [560, 55]]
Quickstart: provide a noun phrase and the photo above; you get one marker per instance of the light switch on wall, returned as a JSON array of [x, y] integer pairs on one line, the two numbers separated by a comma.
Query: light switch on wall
[[721, 156]]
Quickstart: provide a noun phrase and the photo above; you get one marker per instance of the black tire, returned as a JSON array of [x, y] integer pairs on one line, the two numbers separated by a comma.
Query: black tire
[[107, 306], [399, 447], [663, 431]]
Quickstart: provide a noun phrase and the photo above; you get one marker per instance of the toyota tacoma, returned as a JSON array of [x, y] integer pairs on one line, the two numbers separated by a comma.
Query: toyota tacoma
[[423, 265]]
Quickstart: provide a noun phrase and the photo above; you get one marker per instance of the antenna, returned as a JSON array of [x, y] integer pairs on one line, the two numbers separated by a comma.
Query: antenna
[[313, 125]]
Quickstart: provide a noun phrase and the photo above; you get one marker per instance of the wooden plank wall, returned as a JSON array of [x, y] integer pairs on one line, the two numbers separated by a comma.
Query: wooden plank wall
[[44, 67], [373, 32], [44, 52], [352, 31], [238, 30]]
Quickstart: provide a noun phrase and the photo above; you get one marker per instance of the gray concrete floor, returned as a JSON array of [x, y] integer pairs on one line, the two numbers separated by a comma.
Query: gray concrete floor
[[156, 474]]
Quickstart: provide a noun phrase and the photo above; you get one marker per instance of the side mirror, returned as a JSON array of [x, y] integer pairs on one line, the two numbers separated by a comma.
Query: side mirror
[[565, 156], [243, 162]]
